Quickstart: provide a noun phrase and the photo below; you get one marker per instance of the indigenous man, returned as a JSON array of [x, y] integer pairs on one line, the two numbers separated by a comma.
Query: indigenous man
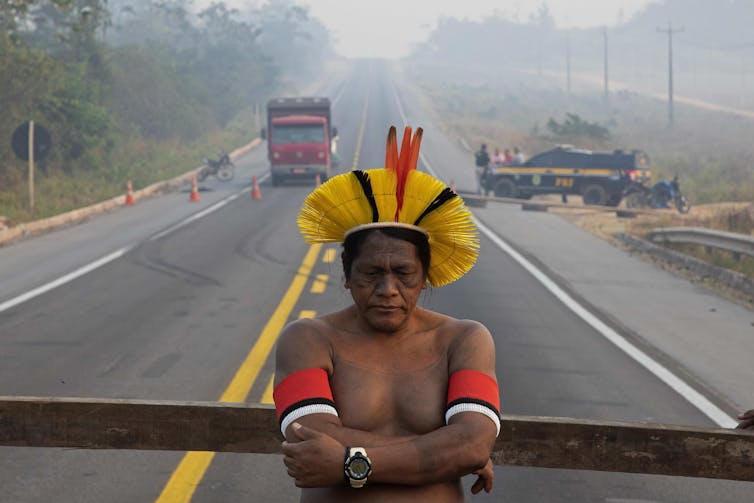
[[384, 400]]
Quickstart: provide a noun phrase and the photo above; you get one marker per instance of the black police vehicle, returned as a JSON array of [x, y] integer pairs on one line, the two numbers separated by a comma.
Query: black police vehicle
[[600, 178]]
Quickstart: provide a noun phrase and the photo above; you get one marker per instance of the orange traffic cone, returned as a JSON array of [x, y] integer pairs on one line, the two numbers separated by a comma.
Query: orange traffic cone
[[255, 192], [194, 197], [129, 194], [317, 181]]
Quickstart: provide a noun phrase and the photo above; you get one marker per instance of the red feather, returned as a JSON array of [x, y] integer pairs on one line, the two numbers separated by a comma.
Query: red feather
[[407, 160]]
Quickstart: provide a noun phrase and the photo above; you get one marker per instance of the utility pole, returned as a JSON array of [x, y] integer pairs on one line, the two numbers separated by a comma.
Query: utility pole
[[743, 81], [607, 87], [670, 31], [568, 63]]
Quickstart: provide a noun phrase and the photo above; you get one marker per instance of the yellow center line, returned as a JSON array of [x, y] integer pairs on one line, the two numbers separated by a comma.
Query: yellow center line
[[186, 478], [189, 473], [267, 395], [319, 285], [329, 255]]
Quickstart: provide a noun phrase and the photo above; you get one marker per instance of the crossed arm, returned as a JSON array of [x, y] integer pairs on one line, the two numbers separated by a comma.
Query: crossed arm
[[315, 444], [746, 420]]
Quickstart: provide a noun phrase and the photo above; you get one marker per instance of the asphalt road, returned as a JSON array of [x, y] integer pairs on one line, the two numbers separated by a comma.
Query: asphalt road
[[175, 317]]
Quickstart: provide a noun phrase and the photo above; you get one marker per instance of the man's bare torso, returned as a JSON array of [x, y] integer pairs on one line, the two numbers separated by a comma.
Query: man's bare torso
[[394, 387]]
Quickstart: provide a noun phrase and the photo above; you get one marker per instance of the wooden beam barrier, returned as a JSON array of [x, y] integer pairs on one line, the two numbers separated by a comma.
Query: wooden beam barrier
[[547, 442], [612, 446]]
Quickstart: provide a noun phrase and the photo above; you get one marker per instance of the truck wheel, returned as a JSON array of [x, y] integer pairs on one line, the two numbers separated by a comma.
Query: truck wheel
[[636, 200], [614, 200], [594, 195], [275, 180], [505, 188]]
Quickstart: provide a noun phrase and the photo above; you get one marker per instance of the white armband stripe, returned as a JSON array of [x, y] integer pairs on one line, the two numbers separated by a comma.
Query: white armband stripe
[[474, 407], [317, 408]]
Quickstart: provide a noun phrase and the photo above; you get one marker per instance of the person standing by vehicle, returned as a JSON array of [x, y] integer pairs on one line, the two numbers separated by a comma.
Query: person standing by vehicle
[[482, 164], [507, 156], [497, 158], [518, 156], [384, 400], [482, 167]]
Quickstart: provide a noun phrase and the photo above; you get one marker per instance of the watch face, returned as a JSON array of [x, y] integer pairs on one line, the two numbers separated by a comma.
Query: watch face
[[358, 467]]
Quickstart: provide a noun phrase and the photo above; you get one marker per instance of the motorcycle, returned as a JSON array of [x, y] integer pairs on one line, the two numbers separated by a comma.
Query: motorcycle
[[660, 195], [223, 168]]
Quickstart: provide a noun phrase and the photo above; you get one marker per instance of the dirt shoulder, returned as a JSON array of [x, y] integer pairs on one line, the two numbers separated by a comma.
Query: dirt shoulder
[[719, 216]]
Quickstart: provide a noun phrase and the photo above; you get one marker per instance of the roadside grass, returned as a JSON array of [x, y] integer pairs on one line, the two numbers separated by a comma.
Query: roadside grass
[[720, 258], [140, 160]]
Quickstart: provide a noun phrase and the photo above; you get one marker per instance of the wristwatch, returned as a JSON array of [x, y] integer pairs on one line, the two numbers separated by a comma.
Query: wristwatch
[[357, 466]]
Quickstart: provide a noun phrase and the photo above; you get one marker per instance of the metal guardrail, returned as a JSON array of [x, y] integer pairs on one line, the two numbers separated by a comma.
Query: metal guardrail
[[534, 441], [729, 241]]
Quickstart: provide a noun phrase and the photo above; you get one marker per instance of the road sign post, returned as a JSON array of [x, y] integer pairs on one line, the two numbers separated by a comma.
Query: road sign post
[[31, 143], [31, 167]]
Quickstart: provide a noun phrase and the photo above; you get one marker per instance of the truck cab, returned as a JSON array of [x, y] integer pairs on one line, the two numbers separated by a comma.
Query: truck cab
[[300, 139]]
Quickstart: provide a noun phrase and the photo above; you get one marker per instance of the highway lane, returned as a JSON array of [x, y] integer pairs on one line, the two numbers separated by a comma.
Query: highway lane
[[549, 363], [34, 262], [175, 317]]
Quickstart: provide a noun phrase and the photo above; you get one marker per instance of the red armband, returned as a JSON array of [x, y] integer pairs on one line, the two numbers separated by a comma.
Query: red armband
[[473, 391], [302, 393]]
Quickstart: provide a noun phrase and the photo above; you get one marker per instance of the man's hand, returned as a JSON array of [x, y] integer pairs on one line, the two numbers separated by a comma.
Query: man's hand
[[746, 420], [316, 460], [485, 477]]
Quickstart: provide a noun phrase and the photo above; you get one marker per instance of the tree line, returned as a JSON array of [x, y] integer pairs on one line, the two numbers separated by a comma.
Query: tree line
[[107, 78]]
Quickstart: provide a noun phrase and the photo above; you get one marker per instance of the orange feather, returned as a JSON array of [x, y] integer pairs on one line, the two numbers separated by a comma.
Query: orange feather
[[415, 144], [391, 150]]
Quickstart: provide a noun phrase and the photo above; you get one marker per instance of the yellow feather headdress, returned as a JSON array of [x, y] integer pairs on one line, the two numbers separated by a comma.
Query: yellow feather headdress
[[398, 196]]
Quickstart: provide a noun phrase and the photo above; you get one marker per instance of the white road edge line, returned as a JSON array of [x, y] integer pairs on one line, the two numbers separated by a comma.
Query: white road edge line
[[677, 384], [709, 409], [63, 279], [340, 94], [202, 213], [114, 255], [195, 216]]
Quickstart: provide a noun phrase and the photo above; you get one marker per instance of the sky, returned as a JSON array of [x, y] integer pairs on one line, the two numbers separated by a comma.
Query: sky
[[388, 28]]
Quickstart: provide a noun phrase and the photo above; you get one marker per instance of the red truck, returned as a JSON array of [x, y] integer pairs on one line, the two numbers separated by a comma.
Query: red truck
[[300, 138]]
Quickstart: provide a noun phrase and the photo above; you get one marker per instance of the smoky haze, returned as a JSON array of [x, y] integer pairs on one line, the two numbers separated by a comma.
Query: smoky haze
[[713, 51], [534, 83]]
